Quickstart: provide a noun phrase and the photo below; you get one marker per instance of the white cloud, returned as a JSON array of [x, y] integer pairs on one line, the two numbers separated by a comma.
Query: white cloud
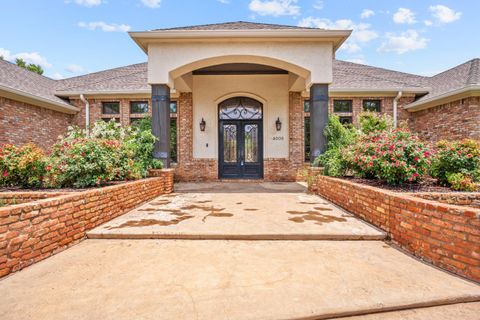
[[404, 15], [75, 68], [361, 34], [444, 14], [88, 3], [318, 5], [367, 13], [29, 57], [224, 1], [57, 76], [275, 7], [404, 42], [106, 27], [428, 23], [152, 3]]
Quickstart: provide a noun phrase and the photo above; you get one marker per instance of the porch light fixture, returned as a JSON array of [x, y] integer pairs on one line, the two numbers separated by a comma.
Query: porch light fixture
[[278, 124], [202, 125]]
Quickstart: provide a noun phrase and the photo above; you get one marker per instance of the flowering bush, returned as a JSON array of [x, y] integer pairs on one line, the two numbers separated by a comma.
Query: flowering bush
[[461, 157], [108, 152], [21, 166], [461, 182], [394, 156]]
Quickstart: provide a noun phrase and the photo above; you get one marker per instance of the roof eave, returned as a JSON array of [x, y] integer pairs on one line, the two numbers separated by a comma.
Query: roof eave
[[382, 90], [471, 90], [26, 97], [141, 38]]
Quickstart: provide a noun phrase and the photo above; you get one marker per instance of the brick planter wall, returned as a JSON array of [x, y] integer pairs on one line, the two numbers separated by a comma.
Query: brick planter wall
[[33, 231], [445, 235], [468, 199], [17, 197]]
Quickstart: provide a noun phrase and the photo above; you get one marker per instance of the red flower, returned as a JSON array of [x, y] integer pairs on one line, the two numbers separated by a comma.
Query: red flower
[[5, 174], [416, 159]]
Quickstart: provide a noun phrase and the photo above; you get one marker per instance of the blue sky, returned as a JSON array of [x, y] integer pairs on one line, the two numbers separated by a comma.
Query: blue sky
[[73, 37]]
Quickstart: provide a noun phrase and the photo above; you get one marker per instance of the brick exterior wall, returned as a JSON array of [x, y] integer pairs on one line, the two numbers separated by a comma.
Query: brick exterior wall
[[386, 106], [21, 123], [33, 231], [96, 110], [445, 235], [452, 121]]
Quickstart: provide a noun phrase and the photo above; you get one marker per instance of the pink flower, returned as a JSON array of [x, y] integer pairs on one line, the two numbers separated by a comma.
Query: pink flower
[[5, 174], [416, 159]]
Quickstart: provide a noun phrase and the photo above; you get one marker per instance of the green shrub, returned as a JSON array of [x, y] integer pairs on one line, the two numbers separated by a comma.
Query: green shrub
[[394, 156], [461, 182], [108, 152], [21, 166], [373, 122], [338, 137], [456, 157]]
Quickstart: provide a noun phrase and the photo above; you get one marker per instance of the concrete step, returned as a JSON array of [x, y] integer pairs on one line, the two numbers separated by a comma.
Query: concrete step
[[271, 212], [176, 279]]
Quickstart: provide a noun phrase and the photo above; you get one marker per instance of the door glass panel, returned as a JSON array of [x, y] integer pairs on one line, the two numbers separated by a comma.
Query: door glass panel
[[240, 108], [229, 143], [251, 142]]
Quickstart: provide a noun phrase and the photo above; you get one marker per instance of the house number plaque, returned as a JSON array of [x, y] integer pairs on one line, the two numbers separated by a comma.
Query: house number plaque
[[277, 138]]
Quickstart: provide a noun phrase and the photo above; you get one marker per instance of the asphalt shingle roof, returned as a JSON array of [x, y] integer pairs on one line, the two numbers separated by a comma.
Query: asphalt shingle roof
[[458, 77], [132, 77], [237, 25], [28, 82]]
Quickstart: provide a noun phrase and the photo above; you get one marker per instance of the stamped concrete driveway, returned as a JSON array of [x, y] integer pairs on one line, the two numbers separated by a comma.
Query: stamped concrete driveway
[[241, 211], [124, 278]]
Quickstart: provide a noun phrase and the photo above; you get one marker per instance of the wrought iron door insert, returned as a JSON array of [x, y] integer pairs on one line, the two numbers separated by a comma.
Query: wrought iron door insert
[[240, 138]]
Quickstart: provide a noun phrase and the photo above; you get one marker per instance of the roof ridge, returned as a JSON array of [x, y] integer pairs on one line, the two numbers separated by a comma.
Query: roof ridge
[[474, 72], [231, 23], [98, 81], [455, 67], [100, 71]]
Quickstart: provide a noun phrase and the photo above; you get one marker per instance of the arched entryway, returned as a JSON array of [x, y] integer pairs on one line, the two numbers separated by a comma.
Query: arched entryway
[[240, 121]]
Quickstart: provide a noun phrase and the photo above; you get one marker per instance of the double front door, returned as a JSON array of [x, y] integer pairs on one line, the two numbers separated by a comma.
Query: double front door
[[241, 149]]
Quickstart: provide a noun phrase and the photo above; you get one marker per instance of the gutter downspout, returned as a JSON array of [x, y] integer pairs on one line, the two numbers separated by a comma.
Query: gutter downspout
[[395, 108], [87, 113]]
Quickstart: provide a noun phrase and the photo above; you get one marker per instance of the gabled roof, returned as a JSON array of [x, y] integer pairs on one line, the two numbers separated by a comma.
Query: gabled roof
[[131, 78], [451, 82], [28, 85], [237, 25]]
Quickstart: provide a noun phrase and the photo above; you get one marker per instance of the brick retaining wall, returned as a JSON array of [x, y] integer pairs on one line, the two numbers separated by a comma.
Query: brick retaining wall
[[33, 231], [17, 197], [469, 199], [445, 235]]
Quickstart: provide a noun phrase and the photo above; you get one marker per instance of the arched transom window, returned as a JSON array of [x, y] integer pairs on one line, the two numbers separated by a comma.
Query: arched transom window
[[240, 108]]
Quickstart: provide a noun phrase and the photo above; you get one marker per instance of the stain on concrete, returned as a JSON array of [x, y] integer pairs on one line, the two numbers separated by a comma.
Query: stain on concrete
[[322, 209], [250, 209], [203, 201], [152, 222], [317, 217], [239, 203], [306, 202], [218, 215], [160, 202]]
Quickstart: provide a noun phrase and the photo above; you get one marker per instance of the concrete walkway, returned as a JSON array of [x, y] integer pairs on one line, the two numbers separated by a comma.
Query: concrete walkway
[[217, 279], [241, 211], [125, 278]]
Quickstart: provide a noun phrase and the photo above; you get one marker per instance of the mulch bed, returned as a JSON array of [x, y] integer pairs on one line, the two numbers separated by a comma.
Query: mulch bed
[[19, 189], [427, 185]]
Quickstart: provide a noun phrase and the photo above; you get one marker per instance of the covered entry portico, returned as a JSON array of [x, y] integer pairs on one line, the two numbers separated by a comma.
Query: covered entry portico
[[262, 70]]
